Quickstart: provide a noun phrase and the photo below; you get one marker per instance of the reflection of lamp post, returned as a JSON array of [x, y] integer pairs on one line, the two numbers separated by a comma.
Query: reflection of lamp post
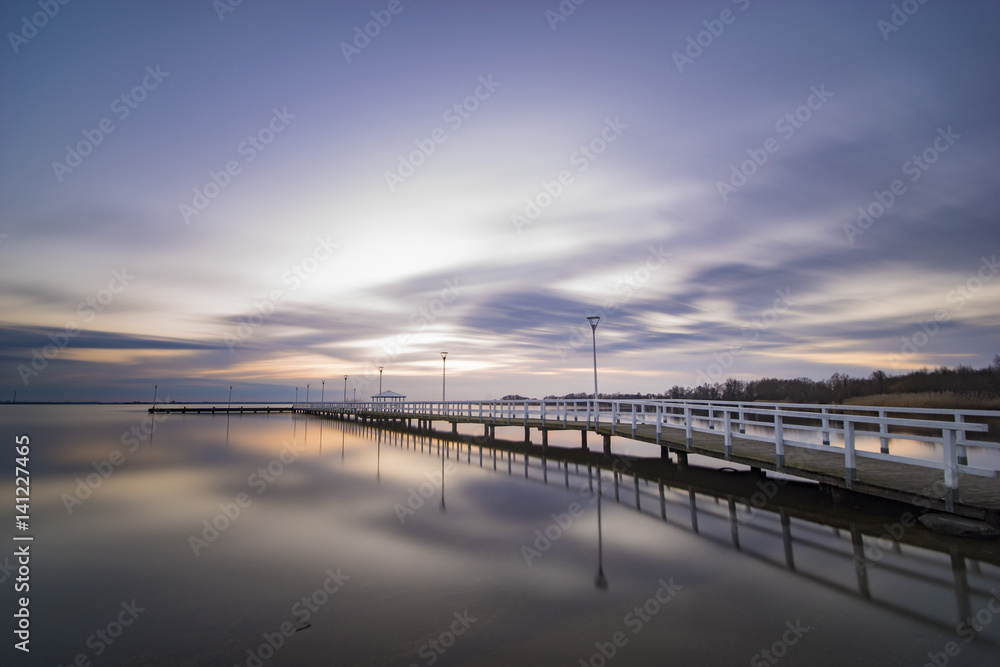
[[345, 389], [601, 582], [442, 508], [444, 355], [380, 380]]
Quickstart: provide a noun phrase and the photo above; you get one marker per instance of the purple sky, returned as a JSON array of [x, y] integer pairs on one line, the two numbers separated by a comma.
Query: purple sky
[[267, 197]]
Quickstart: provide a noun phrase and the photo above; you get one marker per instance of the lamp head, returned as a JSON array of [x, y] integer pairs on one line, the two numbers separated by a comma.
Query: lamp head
[[593, 319], [444, 355]]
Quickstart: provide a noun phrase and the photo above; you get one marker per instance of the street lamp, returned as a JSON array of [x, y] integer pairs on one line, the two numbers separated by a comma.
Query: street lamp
[[154, 396], [230, 406], [307, 388], [380, 380], [345, 389], [594, 319], [322, 393], [296, 394], [444, 355]]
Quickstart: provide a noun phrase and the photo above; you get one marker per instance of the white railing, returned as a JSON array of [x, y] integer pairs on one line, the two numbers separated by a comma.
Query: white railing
[[772, 423]]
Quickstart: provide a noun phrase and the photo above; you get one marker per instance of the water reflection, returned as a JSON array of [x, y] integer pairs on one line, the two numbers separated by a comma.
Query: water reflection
[[869, 549], [745, 571]]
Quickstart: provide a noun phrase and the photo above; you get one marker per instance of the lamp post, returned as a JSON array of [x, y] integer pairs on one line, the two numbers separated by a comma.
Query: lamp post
[[444, 356], [154, 396], [594, 319], [307, 389], [230, 406], [380, 380], [345, 389], [322, 393], [296, 394]]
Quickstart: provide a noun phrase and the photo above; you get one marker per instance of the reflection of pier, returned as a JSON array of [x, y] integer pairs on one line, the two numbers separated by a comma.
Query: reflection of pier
[[788, 525], [809, 441]]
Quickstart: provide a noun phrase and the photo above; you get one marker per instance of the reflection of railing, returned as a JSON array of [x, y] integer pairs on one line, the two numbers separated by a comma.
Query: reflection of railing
[[841, 541], [727, 421]]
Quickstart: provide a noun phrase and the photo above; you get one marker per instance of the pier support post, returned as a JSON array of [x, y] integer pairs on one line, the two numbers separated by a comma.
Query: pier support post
[[607, 444], [583, 440], [665, 453], [682, 458], [486, 430], [527, 434], [454, 427], [545, 437]]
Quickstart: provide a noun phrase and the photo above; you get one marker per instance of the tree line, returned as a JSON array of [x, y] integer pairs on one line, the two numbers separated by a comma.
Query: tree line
[[964, 380]]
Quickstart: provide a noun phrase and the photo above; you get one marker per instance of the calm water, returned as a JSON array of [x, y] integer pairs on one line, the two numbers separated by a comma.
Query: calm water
[[356, 546]]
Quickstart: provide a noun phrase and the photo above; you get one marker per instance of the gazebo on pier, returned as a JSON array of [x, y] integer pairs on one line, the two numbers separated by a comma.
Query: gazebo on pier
[[388, 397]]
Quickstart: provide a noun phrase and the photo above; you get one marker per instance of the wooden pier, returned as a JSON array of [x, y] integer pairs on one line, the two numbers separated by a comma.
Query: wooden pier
[[185, 410], [815, 442]]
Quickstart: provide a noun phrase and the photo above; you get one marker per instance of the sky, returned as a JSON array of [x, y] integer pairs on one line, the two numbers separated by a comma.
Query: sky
[[197, 195]]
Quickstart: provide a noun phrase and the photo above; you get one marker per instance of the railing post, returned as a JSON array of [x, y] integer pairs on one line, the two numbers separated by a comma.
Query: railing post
[[634, 415], [779, 442], [545, 407], [963, 457], [850, 458], [826, 426], [687, 426], [883, 429], [743, 427], [729, 433], [711, 417], [659, 422], [950, 469]]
